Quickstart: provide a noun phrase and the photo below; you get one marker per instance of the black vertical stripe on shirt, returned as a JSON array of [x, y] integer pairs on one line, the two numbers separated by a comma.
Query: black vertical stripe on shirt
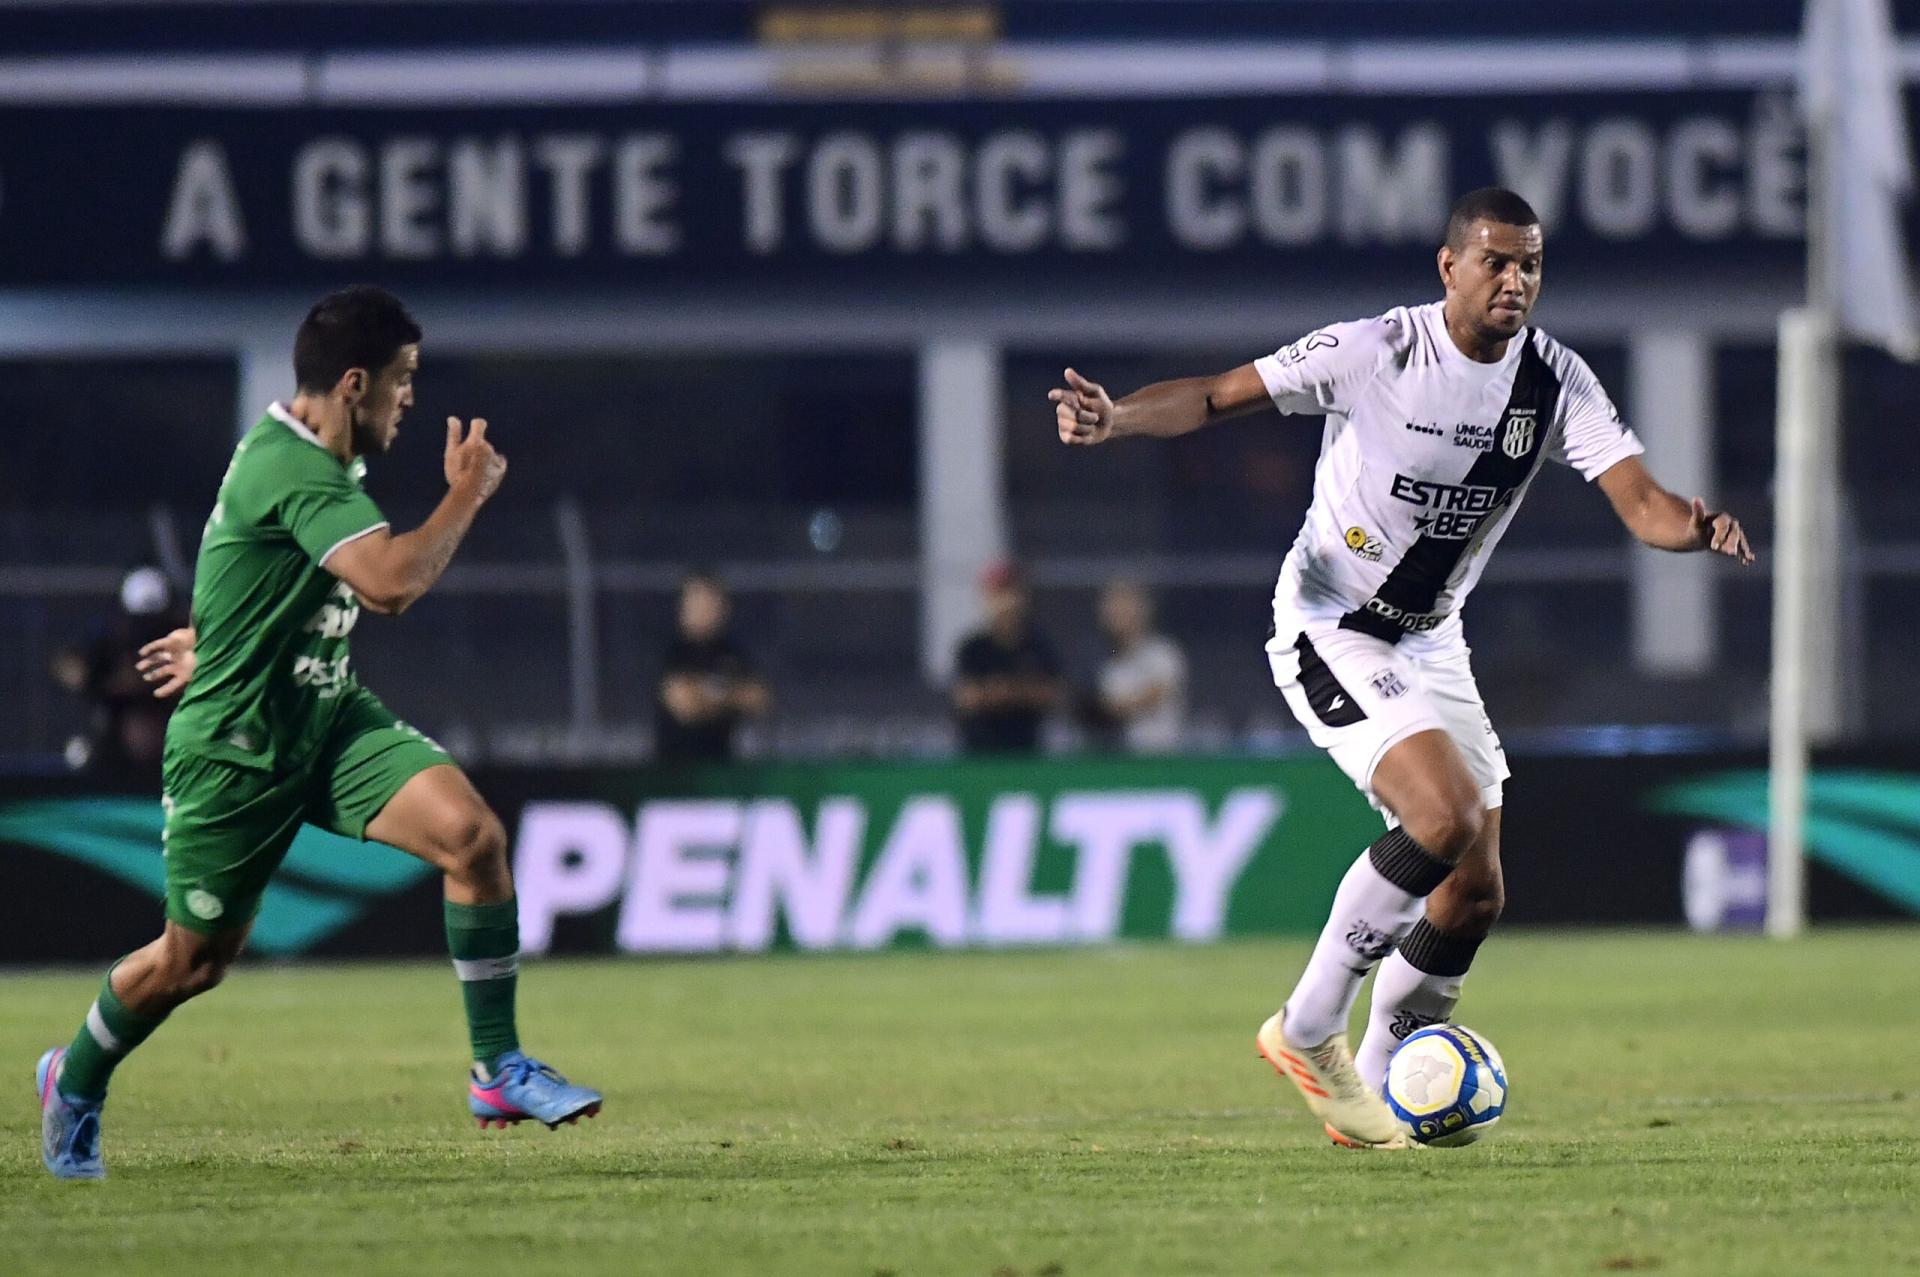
[[1415, 582]]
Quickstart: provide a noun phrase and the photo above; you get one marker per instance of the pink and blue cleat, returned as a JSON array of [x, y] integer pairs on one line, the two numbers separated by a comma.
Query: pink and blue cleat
[[523, 1089], [69, 1128]]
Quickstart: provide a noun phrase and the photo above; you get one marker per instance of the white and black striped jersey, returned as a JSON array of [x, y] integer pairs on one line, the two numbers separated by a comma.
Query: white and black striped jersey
[[1425, 457]]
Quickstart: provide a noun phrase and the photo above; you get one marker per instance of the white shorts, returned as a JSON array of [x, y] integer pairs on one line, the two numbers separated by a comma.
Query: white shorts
[[1358, 697]]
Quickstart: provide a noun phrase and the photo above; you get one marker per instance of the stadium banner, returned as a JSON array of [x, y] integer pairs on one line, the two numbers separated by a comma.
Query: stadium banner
[[956, 854], [981, 193]]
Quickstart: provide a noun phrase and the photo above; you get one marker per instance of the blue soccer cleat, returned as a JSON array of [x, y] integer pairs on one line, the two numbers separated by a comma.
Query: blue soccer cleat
[[69, 1129], [523, 1088]]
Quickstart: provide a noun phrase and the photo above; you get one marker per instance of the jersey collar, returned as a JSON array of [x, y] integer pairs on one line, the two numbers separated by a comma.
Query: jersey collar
[[1459, 358], [279, 413]]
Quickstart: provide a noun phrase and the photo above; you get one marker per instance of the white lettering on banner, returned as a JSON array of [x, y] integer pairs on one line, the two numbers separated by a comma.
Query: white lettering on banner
[[1088, 189], [761, 159], [709, 874], [1619, 179], [1397, 199], [845, 199], [1207, 861], [1105, 828], [909, 193], [919, 882], [1708, 179], [1703, 158], [1200, 164], [1700, 178], [1535, 163], [1289, 186], [569, 858], [643, 193], [682, 868], [1386, 193], [776, 873], [1008, 912], [570, 159], [487, 198], [1011, 221], [409, 196], [330, 215], [1777, 176], [929, 206], [204, 208]]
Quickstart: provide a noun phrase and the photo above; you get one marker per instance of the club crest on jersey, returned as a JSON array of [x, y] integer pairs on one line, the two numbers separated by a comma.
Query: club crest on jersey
[[1364, 544], [1388, 684], [1516, 440]]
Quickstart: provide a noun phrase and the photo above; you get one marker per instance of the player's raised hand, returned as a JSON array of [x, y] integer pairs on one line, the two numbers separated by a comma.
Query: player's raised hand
[[168, 663], [1720, 532], [471, 460], [1082, 411]]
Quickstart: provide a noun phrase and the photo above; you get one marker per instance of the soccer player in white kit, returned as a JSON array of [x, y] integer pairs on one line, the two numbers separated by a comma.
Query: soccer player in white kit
[[1437, 417]]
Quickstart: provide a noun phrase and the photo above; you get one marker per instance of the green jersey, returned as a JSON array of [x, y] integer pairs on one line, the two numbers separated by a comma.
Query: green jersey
[[272, 622]]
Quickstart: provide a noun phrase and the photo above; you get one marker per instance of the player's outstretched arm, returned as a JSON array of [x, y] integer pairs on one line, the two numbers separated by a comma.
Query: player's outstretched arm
[[1666, 521], [389, 572], [1086, 415]]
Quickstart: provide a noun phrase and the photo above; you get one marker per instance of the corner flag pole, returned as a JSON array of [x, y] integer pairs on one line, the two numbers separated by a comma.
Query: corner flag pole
[[1805, 394], [1859, 172]]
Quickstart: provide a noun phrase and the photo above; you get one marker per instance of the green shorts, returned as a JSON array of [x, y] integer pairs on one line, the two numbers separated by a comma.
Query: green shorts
[[228, 827]]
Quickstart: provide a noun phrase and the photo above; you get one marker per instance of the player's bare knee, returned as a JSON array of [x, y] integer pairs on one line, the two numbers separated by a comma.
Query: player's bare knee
[[475, 846], [1448, 826]]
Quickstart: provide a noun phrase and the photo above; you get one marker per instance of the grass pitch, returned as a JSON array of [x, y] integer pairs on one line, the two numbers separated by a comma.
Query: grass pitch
[[1680, 1105]]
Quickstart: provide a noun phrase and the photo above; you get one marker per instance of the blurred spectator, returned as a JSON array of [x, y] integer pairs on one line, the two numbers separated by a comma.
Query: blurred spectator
[[1007, 676], [707, 684], [128, 727], [1142, 694]]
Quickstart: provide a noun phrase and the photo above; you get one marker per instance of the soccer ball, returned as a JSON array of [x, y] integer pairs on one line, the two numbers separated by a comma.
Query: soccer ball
[[1447, 1085]]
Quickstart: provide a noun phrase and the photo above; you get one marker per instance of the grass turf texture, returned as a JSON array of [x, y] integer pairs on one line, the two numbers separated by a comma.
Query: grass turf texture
[[1680, 1105]]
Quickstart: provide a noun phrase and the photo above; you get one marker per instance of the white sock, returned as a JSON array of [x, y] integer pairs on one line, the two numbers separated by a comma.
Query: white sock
[[1405, 998], [1379, 900]]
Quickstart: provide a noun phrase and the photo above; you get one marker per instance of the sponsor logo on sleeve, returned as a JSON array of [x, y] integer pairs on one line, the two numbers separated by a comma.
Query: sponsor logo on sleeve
[[1288, 356]]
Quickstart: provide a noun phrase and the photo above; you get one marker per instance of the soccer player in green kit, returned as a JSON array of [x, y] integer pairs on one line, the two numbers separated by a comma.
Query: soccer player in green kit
[[273, 729]]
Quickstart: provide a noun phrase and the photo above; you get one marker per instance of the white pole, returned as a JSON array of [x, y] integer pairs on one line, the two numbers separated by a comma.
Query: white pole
[[1675, 605], [1805, 395], [963, 502]]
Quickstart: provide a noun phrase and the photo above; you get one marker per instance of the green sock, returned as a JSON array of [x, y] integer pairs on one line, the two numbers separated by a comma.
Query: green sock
[[485, 943], [109, 1035]]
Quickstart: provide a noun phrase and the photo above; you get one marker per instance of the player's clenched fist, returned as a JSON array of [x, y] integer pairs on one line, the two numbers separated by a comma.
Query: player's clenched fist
[[472, 461], [1082, 411]]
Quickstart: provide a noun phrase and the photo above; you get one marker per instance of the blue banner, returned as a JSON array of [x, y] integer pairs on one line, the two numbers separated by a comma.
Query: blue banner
[[995, 195]]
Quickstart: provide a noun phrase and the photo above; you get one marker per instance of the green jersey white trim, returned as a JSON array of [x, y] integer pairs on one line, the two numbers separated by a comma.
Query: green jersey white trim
[[279, 413]]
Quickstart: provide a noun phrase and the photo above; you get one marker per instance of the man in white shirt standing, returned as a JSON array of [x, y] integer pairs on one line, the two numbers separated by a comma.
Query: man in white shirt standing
[[1438, 417], [1143, 681]]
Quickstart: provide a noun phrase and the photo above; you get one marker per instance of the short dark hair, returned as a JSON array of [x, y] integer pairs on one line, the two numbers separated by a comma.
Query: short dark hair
[[358, 327], [1488, 204]]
